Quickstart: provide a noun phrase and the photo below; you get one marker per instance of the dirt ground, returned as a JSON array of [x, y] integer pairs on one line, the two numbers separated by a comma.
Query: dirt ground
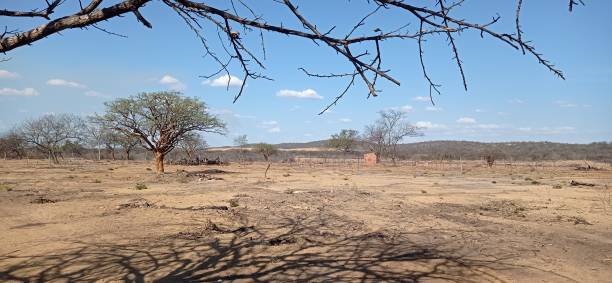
[[119, 221]]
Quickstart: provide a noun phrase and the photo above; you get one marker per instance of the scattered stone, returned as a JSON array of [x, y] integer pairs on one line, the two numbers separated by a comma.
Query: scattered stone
[[216, 207], [282, 240], [42, 200], [577, 183], [578, 220], [136, 203], [506, 208]]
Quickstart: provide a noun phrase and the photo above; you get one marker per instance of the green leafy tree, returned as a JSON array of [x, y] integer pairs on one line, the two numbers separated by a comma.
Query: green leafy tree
[[345, 140], [160, 120]]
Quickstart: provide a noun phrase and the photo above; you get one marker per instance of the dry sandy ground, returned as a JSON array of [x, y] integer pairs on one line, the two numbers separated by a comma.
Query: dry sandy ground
[[85, 221]]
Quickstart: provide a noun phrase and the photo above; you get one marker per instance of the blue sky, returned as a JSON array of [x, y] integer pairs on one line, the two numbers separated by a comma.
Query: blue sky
[[510, 96]]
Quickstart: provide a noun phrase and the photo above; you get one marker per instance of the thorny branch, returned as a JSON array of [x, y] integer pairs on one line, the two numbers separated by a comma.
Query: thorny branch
[[237, 50]]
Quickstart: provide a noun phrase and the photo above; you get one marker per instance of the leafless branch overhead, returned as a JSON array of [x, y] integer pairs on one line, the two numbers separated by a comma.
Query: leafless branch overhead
[[360, 49]]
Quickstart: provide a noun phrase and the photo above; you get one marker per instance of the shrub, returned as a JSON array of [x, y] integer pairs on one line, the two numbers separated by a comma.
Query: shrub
[[140, 186], [5, 187]]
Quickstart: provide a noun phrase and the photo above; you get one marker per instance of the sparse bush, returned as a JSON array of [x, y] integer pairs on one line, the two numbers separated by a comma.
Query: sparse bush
[[97, 181], [5, 188], [140, 186], [233, 202]]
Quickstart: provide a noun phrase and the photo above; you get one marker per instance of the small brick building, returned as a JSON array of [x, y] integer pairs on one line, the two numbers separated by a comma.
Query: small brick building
[[370, 158]]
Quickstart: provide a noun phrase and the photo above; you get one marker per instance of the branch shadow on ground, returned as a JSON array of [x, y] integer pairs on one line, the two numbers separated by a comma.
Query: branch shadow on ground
[[296, 250]]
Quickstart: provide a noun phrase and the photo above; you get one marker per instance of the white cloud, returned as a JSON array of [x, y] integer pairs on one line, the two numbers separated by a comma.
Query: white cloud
[[229, 113], [240, 116], [480, 110], [274, 130], [94, 93], [421, 98], [516, 101], [28, 91], [429, 125], [269, 123], [488, 126], [433, 108], [223, 81], [270, 126], [307, 93], [345, 120], [4, 74], [61, 82], [172, 82], [565, 104], [466, 120], [405, 108]]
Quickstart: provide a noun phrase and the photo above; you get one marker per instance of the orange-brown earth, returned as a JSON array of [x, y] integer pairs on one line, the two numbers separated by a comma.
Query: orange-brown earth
[[87, 221]]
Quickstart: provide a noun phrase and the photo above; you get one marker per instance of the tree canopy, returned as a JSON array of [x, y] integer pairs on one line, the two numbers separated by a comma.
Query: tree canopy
[[345, 140], [265, 149], [50, 132], [160, 120]]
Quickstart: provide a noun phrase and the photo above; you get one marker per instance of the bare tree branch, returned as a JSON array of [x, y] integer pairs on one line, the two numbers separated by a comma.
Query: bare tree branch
[[45, 13], [238, 21]]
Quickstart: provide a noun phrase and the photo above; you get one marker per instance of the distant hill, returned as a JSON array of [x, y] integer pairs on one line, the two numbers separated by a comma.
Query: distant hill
[[475, 150], [431, 150]]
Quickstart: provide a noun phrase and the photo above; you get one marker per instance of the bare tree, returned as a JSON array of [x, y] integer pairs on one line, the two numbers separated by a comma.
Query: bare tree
[[50, 132], [240, 25], [388, 131], [241, 141], [111, 140], [12, 145], [266, 150], [191, 144], [160, 120], [94, 134], [128, 143]]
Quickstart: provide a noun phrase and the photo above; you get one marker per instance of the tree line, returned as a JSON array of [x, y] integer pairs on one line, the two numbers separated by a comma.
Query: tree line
[[156, 121]]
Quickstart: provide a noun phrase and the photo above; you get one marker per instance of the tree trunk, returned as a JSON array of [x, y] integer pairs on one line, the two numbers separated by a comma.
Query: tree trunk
[[54, 158], [159, 162], [266, 173], [127, 154]]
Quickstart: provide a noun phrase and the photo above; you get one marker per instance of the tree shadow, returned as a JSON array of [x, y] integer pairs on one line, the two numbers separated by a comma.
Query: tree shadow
[[296, 250]]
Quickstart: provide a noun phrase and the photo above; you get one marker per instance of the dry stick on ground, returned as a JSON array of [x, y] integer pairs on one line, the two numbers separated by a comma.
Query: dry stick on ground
[[366, 65]]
